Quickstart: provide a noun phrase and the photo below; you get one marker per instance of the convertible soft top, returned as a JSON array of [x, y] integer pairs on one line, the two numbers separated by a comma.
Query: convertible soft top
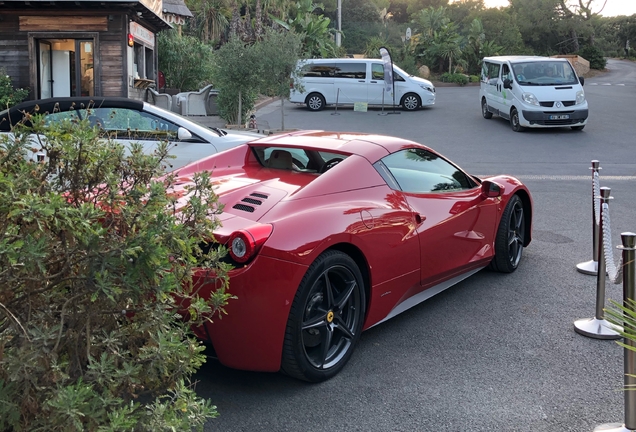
[[16, 113]]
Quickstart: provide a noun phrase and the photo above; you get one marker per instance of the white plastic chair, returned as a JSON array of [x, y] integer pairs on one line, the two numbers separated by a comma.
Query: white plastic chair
[[193, 103]]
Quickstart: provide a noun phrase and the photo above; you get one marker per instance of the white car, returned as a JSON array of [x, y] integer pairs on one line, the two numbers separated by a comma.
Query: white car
[[129, 120]]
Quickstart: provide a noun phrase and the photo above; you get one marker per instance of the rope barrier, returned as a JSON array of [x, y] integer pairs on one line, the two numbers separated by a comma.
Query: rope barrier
[[614, 271]]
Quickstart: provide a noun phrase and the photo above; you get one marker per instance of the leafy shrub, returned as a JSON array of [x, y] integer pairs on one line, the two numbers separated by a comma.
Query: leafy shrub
[[594, 55], [474, 78], [185, 61], [94, 253], [9, 95], [457, 78]]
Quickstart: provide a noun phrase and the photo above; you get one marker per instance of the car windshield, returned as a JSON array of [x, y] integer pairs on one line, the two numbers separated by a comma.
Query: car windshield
[[544, 73]]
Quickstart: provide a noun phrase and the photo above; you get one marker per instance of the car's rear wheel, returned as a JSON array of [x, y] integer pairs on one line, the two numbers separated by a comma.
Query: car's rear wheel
[[325, 320], [510, 237], [514, 121], [410, 102], [484, 109], [315, 102]]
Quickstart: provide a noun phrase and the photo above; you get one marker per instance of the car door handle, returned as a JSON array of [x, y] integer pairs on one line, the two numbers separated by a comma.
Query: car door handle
[[374, 82], [361, 81]]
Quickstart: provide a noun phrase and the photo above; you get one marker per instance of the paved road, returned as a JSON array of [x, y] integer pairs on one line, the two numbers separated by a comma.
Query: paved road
[[496, 352]]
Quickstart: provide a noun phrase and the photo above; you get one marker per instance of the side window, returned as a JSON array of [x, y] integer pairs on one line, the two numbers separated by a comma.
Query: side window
[[377, 71], [351, 70], [493, 70], [132, 124], [315, 70], [60, 116], [505, 73], [397, 77], [420, 171]]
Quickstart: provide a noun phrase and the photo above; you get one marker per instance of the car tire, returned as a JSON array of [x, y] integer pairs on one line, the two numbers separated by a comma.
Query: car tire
[[315, 102], [514, 121], [577, 128], [410, 102], [325, 320], [484, 109], [510, 237]]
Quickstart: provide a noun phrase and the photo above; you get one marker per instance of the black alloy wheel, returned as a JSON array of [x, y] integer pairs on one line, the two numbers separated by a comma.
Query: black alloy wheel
[[510, 237], [325, 320]]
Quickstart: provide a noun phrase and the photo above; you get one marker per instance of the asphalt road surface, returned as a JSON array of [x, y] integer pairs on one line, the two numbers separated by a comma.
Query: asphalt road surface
[[496, 352]]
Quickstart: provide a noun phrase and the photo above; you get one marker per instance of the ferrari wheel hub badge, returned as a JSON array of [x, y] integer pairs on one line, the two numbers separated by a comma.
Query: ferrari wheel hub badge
[[329, 316]]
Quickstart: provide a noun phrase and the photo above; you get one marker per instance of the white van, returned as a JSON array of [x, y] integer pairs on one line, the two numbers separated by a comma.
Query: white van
[[532, 92], [347, 81]]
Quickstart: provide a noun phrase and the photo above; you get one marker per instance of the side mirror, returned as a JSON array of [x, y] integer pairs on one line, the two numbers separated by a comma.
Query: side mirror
[[490, 189], [183, 134], [582, 80], [507, 83]]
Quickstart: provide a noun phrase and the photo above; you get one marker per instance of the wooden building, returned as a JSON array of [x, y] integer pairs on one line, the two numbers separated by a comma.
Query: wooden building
[[81, 47]]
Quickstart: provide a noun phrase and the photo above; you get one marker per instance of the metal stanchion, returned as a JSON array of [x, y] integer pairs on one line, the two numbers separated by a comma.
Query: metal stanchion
[[598, 327], [629, 294], [336, 111], [382, 113], [591, 267]]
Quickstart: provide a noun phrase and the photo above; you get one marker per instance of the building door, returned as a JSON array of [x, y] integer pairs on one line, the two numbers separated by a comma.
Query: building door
[[65, 68]]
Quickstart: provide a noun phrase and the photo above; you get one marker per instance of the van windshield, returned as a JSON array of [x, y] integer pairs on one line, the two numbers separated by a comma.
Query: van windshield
[[544, 73]]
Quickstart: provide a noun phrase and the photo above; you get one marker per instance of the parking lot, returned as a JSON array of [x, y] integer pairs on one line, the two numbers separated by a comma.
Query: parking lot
[[496, 352]]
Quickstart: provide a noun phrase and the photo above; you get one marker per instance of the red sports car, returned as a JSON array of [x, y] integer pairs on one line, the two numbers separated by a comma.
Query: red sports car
[[333, 233]]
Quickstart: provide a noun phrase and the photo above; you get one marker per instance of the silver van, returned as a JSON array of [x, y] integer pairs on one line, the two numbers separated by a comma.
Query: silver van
[[346, 81], [533, 92]]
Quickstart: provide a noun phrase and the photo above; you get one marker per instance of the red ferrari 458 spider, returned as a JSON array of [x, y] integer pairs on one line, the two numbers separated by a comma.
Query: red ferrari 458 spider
[[333, 233]]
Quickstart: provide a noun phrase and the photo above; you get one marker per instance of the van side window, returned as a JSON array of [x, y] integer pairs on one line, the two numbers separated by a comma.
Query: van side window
[[314, 70], [505, 73], [377, 71], [351, 70], [493, 70]]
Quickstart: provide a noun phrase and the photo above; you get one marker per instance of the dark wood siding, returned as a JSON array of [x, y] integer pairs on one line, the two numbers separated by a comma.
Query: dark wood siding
[[14, 51], [111, 50]]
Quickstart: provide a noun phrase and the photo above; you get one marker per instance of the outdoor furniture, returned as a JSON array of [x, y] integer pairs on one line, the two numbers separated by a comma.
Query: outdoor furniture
[[161, 100], [194, 103]]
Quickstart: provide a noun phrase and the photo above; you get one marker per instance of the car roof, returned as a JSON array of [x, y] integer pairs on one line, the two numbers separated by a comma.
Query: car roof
[[523, 59], [370, 146], [15, 114]]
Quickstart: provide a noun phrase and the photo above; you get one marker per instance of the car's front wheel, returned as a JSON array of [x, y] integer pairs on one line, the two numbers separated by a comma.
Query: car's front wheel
[[315, 102], [510, 236], [484, 109], [325, 320], [410, 102], [514, 121]]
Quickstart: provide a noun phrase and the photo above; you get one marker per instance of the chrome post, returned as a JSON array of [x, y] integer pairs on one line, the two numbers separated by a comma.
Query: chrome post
[[336, 110], [382, 113], [598, 327], [629, 293], [591, 267]]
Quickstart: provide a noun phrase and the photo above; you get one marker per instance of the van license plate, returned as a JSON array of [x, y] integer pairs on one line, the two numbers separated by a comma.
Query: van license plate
[[560, 117]]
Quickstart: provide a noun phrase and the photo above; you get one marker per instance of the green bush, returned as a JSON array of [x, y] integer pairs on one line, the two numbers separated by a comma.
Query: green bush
[[185, 61], [95, 250], [9, 95], [457, 78], [474, 78], [594, 55]]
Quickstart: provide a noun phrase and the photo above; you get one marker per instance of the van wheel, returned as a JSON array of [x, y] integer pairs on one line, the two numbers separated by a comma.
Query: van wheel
[[577, 128], [514, 121], [410, 102], [315, 102], [484, 109]]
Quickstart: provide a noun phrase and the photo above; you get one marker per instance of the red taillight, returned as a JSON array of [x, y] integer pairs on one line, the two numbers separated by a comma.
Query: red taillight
[[244, 244]]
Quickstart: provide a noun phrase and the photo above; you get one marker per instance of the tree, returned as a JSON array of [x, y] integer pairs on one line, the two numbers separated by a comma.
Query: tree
[[315, 29], [237, 74], [279, 52], [185, 61], [97, 255], [210, 20]]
